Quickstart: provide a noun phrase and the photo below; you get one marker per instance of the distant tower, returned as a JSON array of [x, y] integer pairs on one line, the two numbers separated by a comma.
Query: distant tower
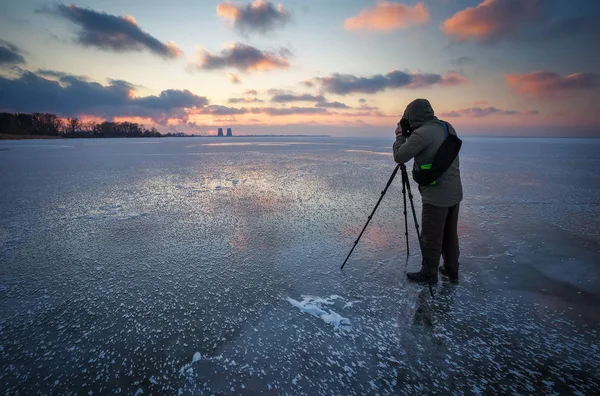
[[229, 132], [220, 132]]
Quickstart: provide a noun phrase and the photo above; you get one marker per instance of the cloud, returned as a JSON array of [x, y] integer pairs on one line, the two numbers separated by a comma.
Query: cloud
[[219, 110], [387, 16], [452, 78], [244, 100], [252, 92], [286, 98], [110, 32], [567, 27], [244, 58], [275, 111], [420, 80], [493, 20], [369, 113], [462, 61], [545, 82], [274, 92], [343, 84], [171, 99], [368, 108], [362, 100], [450, 114], [332, 105], [523, 21], [73, 96], [308, 83], [480, 112], [59, 75], [10, 54], [233, 78], [260, 16]]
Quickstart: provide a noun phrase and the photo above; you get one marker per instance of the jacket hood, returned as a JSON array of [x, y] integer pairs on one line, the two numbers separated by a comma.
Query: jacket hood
[[418, 112]]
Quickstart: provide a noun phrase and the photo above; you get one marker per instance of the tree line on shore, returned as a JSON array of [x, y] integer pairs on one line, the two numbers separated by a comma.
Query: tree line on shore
[[46, 124]]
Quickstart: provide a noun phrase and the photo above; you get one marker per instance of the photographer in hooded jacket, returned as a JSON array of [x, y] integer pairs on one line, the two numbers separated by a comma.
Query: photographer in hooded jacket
[[434, 146]]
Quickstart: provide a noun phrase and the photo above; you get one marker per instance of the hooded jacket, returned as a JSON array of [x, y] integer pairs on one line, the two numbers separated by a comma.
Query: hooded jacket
[[423, 143]]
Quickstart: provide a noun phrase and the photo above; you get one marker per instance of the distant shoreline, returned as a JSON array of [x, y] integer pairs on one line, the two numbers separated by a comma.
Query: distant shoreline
[[227, 137], [7, 136]]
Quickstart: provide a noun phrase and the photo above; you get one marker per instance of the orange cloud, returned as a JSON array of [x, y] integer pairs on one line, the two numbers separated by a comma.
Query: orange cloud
[[228, 11], [173, 49], [492, 19], [452, 78], [388, 16], [544, 82], [130, 19], [233, 78]]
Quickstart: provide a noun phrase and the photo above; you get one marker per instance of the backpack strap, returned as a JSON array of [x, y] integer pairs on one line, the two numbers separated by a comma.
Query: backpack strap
[[446, 133]]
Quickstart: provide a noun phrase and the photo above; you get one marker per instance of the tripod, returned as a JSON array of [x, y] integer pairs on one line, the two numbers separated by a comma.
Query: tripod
[[405, 189]]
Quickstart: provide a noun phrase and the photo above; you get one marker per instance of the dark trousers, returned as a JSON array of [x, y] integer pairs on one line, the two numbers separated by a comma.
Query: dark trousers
[[439, 236]]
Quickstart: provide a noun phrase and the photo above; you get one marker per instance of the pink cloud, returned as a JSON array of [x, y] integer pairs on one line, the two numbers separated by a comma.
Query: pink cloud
[[493, 19], [544, 82], [387, 16], [480, 112], [452, 78]]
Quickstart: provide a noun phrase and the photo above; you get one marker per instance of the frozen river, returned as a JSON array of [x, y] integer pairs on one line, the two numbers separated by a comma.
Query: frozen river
[[206, 265]]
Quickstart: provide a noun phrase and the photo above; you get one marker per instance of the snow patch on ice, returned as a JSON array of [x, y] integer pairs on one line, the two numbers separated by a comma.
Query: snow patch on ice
[[313, 306], [350, 304]]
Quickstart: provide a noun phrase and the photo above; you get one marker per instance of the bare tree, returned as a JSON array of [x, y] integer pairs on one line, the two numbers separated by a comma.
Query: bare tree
[[72, 126]]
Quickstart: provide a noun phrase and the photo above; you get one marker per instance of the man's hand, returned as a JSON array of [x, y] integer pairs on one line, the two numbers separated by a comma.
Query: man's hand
[[398, 130], [403, 128]]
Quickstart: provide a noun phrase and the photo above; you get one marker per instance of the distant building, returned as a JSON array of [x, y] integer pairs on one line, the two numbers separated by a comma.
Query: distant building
[[220, 132], [229, 132]]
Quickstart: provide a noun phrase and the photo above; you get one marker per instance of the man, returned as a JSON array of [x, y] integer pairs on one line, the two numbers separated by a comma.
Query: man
[[441, 200]]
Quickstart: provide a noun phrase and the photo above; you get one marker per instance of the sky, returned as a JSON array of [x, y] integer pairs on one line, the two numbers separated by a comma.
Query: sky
[[335, 67]]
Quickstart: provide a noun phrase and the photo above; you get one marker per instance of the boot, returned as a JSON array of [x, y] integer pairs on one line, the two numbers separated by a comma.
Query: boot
[[421, 277], [452, 277]]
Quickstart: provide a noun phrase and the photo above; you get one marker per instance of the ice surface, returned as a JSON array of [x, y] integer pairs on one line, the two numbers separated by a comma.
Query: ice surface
[[123, 268]]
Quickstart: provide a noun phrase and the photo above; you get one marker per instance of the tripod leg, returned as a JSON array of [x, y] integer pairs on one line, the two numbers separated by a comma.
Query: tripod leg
[[373, 212], [412, 205], [405, 217]]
